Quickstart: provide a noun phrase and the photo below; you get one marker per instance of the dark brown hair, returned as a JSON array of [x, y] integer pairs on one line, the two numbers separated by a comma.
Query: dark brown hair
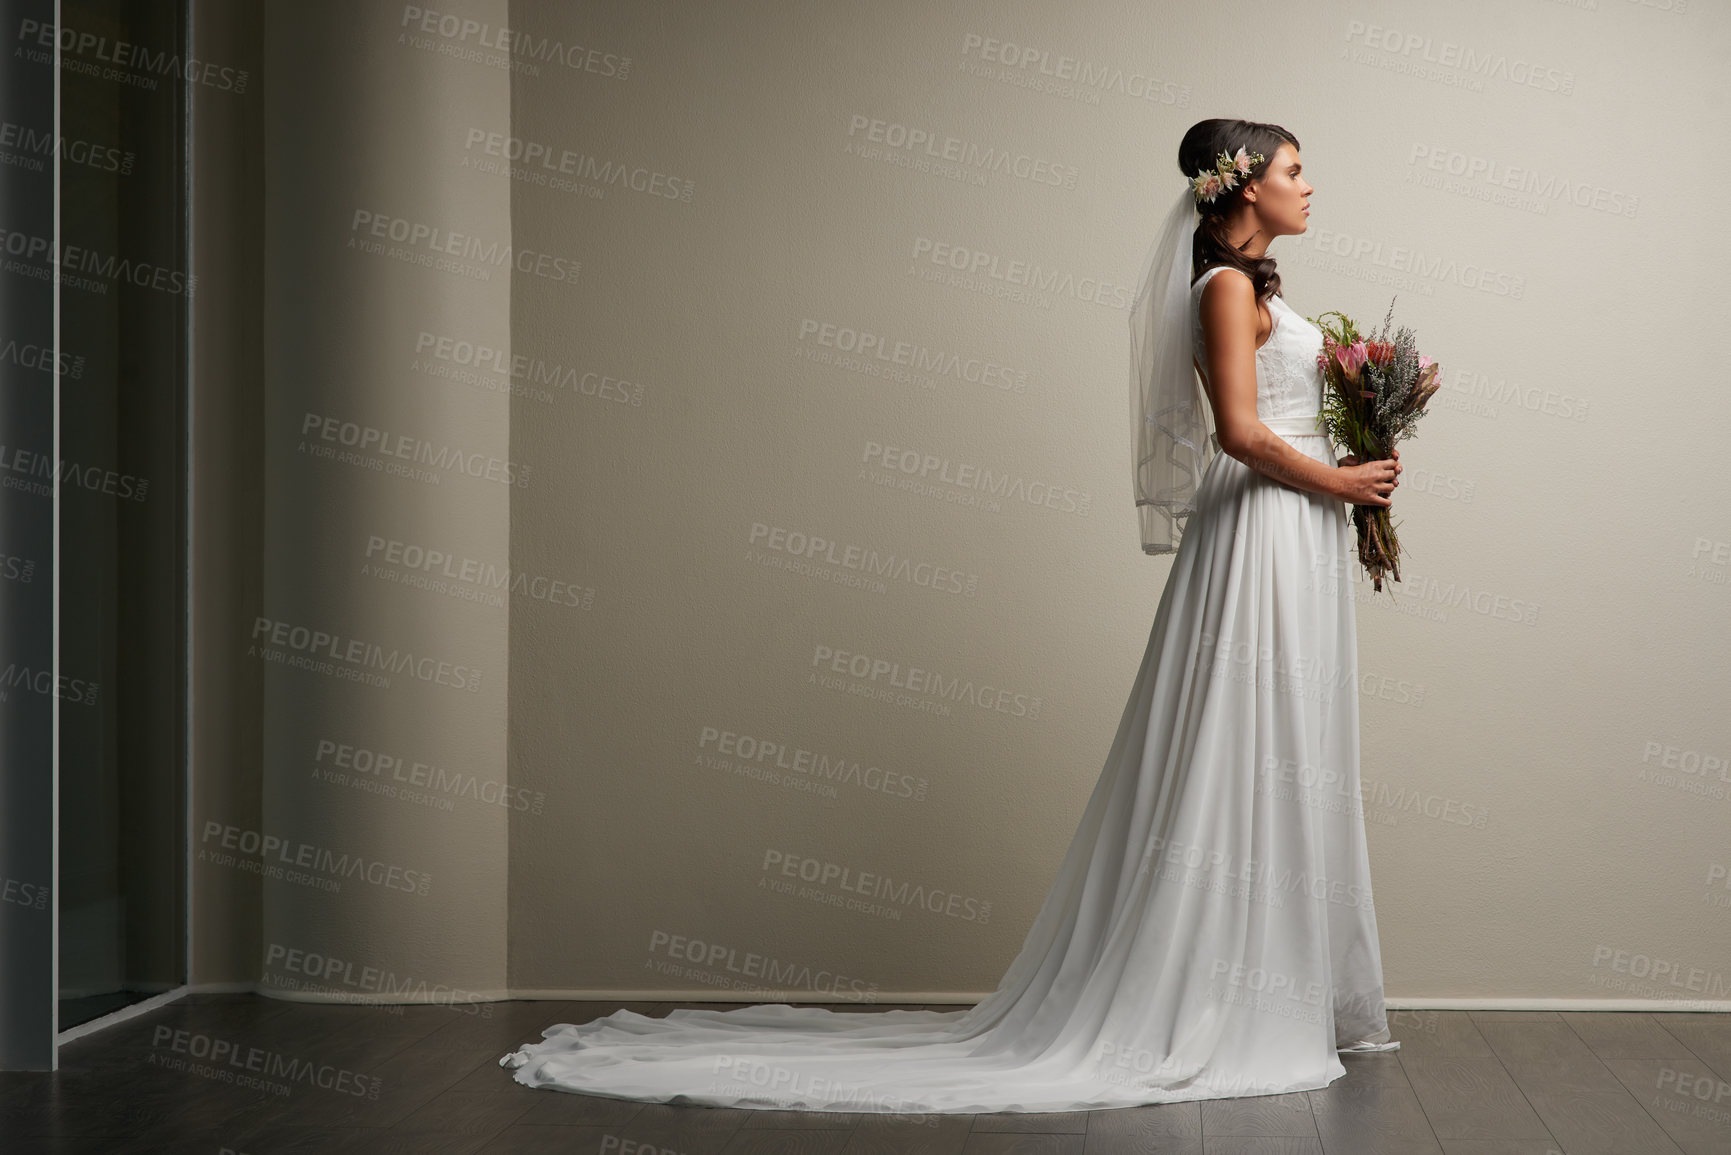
[[1199, 152]]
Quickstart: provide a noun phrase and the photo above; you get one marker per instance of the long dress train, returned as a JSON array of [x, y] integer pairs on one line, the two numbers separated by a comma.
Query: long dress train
[[1210, 932]]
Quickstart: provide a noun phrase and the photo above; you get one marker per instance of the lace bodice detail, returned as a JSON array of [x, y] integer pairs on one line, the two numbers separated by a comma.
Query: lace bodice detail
[[1288, 380]]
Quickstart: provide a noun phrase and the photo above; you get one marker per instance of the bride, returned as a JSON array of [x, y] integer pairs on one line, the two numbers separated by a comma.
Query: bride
[[1210, 932]]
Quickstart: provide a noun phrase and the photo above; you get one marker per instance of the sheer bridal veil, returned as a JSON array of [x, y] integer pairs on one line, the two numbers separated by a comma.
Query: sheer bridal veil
[[1171, 424]]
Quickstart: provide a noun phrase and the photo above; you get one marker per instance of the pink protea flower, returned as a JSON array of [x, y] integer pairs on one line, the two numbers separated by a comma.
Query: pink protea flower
[[1353, 359], [1241, 161], [1209, 185]]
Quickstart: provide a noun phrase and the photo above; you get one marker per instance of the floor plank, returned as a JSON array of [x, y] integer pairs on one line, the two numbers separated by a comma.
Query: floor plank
[[427, 1079]]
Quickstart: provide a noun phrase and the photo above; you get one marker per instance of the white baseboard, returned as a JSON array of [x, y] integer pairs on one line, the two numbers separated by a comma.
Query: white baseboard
[[959, 998], [709, 995]]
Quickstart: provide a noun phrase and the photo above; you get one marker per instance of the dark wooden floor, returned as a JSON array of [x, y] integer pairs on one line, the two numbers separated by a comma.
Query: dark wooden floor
[[1463, 1083]]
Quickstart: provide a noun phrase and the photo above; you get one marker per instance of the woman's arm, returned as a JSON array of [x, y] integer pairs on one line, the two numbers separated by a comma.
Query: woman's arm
[[1229, 323]]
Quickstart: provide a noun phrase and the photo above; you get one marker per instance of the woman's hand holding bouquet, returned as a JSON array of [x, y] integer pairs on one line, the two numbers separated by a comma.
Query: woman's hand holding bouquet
[[1374, 392]]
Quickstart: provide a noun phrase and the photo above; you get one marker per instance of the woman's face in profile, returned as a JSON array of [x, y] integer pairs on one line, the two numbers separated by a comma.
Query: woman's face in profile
[[1283, 195]]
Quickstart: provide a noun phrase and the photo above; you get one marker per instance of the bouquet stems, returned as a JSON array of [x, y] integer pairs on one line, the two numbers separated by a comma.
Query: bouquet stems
[[1378, 548], [1374, 392]]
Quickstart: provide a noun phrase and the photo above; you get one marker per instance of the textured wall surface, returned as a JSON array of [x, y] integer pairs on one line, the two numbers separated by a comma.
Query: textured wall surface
[[780, 472]]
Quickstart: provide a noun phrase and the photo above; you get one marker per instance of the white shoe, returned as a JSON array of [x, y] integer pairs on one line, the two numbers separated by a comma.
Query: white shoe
[[1364, 1048]]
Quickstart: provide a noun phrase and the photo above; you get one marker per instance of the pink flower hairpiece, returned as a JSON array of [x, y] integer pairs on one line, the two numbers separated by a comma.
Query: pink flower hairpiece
[[1210, 183]]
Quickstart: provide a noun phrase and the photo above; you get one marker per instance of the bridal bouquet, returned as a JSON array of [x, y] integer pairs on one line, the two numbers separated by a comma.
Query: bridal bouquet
[[1374, 392]]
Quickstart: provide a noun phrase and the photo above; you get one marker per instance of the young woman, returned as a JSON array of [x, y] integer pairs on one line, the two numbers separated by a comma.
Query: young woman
[[1210, 932]]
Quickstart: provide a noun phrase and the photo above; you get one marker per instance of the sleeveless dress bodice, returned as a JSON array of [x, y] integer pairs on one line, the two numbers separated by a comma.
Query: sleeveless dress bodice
[[1288, 379]]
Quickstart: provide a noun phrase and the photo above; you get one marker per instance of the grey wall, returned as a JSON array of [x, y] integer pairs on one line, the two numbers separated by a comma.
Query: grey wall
[[738, 531]]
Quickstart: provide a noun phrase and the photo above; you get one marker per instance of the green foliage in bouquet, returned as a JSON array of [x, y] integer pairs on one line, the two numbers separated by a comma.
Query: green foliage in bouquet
[[1375, 392]]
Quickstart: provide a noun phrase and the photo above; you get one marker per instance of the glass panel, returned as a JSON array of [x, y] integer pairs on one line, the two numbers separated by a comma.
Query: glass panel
[[122, 572]]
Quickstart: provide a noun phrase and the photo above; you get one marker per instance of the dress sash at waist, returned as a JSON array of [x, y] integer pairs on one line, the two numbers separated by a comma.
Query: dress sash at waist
[[1303, 425], [1295, 426]]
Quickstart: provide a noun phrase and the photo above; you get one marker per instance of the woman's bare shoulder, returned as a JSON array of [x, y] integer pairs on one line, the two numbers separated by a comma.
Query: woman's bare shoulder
[[1243, 277], [1229, 296]]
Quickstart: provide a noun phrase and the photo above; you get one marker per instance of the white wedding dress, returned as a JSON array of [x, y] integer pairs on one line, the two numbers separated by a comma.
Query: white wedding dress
[[1210, 933]]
